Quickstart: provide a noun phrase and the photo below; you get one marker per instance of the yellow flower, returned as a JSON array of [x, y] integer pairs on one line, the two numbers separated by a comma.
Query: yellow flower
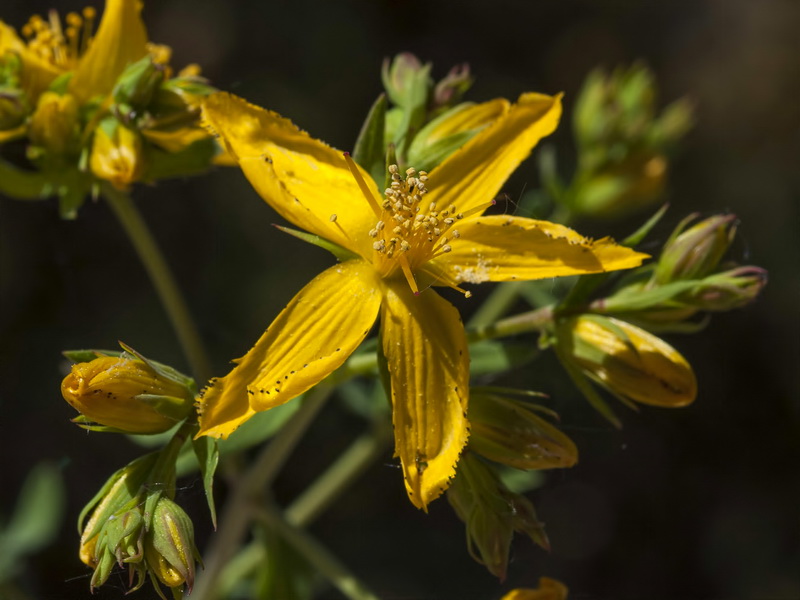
[[549, 589], [54, 47], [426, 230], [127, 394], [628, 361]]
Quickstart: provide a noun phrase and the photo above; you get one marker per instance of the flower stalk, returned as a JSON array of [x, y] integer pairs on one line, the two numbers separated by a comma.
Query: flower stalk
[[160, 274]]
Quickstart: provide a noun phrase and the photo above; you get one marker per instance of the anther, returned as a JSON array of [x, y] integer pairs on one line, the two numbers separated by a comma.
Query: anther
[[333, 218]]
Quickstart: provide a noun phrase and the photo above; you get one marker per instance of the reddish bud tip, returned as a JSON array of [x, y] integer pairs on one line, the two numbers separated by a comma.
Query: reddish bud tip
[[346, 154]]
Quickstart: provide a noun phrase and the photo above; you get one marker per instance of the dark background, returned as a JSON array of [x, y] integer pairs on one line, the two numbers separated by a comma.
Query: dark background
[[698, 503]]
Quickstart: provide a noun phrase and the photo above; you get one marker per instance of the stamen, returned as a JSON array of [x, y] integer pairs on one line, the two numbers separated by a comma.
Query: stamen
[[362, 185], [409, 275], [477, 209]]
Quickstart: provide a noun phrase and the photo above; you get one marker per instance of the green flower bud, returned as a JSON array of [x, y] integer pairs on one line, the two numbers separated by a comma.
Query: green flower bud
[[127, 394], [136, 86], [169, 547], [492, 513], [695, 252], [407, 80], [510, 432]]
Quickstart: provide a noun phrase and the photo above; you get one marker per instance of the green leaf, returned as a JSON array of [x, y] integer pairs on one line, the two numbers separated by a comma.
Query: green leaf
[[589, 392], [519, 481], [36, 518], [369, 151], [78, 356], [637, 236], [491, 356], [207, 452]]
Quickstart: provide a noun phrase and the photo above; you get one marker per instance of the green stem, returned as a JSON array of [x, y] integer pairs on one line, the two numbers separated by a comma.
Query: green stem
[[161, 276], [362, 453], [316, 554], [238, 510], [21, 185], [496, 305]]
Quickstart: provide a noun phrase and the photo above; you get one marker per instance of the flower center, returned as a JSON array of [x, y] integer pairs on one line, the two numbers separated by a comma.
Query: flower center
[[60, 46], [410, 231]]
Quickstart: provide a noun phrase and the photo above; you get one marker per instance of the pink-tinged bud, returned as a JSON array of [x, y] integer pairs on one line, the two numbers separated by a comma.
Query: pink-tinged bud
[[695, 252], [730, 289], [449, 90], [407, 80]]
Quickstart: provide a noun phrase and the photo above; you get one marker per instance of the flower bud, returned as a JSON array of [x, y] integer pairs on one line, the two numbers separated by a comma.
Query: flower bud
[[626, 360], [128, 394], [54, 124], [169, 546], [549, 589], [510, 432], [407, 80], [137, 83], [695, 252], [448, 91], [492, 513], [728, 290], [116, 154]]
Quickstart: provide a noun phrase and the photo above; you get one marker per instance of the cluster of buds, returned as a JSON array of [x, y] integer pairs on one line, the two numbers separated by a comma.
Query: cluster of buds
[[623, 144], [505, 431], [126, 392], [135, 524], [96, 108], [689, 278]]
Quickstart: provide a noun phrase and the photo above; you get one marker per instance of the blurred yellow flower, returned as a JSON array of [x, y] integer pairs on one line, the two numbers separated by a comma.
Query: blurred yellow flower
[[549, 589], [400, 244]]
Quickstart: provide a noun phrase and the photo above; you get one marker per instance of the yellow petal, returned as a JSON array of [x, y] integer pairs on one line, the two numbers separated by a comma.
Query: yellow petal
[[474, 175], [428, 360], [121, 40], [311, 338], [12, 134], [303, 179], [502, 248]]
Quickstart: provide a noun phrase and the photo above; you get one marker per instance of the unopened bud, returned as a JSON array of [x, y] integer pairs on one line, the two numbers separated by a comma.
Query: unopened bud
[[627, 360], [128, 394], [492, 514], [728, 290], [510, 432], [169, 546], [449, 90], [117, 154], [54, 124], [407, 80], [695, 252], [137, 83]]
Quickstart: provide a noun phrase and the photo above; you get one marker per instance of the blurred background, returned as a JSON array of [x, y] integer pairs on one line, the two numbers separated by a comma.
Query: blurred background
[[697, 503]]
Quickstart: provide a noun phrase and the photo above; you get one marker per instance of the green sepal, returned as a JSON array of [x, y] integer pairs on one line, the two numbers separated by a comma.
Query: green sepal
[[206, 450], [341, 253], [60, 85], [491, 356], [168, 406], [195, 158], [638, 236], [587, 389], [79, 356], [137, 84], [22, 185], [634, 298], [369, 149], [519, 481], [164, 371]]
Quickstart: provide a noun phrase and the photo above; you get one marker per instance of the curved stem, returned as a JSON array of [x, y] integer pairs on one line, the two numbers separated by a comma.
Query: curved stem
[[161, 276], [316, 554], [238, 510]]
